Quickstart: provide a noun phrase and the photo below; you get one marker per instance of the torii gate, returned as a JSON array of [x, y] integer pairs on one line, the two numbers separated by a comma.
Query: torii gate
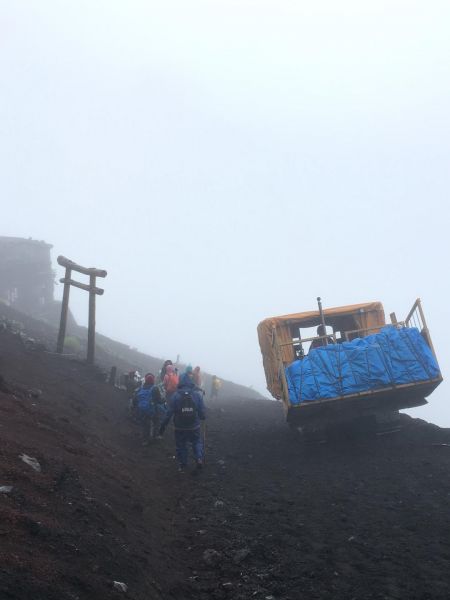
[[93, 291]]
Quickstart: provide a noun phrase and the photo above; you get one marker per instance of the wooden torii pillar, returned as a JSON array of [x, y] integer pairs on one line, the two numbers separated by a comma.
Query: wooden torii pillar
[[93, 291]]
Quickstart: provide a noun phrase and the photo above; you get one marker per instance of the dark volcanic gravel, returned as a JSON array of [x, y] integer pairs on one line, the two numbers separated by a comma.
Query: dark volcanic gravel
[[269, 518]]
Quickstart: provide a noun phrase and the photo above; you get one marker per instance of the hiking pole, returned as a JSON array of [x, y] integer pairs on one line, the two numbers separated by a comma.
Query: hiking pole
[[204, 441]]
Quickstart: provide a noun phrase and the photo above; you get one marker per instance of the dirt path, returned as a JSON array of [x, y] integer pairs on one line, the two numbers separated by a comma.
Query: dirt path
[[357, 520], [268, 518]]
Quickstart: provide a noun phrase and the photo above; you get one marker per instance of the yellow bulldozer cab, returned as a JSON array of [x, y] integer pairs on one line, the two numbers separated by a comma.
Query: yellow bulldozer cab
[[277, 335]]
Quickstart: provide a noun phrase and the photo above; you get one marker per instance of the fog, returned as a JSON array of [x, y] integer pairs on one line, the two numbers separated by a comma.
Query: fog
[[228, 161]]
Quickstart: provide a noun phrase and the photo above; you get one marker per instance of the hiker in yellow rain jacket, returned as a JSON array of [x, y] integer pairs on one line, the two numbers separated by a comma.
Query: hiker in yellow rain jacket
[[216, 384]]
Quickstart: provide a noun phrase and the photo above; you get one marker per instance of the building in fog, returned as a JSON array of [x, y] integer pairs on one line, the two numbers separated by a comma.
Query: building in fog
[[26, 274]]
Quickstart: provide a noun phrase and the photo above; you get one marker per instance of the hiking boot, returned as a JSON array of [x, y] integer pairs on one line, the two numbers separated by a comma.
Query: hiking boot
[[199, 464], [182, 469]]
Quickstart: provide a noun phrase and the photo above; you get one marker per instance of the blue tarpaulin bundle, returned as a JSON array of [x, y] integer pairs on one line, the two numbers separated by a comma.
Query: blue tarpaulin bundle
[[391, 357]]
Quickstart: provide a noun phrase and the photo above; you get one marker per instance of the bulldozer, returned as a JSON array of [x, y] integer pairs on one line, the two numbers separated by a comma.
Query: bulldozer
[[355, 371]]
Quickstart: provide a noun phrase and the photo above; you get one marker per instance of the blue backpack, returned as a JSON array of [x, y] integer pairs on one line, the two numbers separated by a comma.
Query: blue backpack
[[144, 401]]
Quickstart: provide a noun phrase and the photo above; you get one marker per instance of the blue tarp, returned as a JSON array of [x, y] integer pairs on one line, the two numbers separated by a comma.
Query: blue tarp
[[393, 356]]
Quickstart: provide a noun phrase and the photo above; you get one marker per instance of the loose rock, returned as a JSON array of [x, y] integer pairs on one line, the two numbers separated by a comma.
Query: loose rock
[[122, 587], [211, 557], [241, 555], [227, 586], [32, 462]]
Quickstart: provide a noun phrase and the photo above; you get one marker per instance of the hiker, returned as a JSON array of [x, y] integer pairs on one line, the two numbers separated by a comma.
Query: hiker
[[322, 341], [216, 384], [188, 410], [197, 377], [170, 382], [149, 408], [132, 380], [187, 377], [134, 383], [298, 352], [163, 370]]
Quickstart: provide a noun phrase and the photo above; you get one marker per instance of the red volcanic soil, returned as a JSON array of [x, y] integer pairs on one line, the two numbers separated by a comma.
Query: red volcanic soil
[[269, 518]]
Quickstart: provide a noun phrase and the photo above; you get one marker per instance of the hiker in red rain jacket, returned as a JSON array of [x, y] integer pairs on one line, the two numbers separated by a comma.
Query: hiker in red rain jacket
[[170, 382], [163, 371]]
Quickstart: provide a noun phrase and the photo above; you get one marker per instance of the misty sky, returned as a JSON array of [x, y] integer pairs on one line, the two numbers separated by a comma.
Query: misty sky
[[227, 161]]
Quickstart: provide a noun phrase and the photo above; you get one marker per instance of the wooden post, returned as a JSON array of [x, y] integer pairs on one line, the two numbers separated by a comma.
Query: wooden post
[[64, 311], [112, 376], [91, 322]]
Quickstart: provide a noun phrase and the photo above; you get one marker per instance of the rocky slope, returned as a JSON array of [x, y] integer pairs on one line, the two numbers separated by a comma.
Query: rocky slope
[[269, 518]]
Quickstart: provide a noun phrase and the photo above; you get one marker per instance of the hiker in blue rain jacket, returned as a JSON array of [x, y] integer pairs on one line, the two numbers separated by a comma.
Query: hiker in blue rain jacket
[[188, 410], [189, 377], [150, 408]]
